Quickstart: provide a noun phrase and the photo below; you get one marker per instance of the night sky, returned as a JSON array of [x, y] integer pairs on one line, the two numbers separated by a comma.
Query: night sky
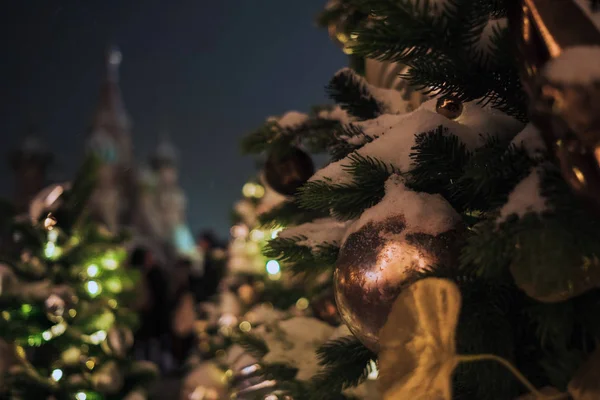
[[206, 71]]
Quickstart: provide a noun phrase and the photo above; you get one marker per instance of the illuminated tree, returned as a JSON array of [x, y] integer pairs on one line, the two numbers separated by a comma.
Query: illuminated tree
[[65, 296]]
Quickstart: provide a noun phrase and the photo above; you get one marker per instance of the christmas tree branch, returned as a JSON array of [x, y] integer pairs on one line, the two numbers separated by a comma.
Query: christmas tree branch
[[352, 93], [349, 200]]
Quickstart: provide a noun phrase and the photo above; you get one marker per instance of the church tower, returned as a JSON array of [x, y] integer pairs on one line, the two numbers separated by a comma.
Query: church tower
[[171, 203], [29, 162], [110, 139]]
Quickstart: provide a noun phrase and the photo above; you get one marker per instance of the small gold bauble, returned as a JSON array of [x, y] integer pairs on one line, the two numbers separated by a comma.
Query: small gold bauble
[[449, 107], [375, 263]]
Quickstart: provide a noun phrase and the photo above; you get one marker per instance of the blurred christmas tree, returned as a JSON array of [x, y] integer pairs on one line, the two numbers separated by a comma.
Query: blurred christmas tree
[[461, 260], [65, 296]]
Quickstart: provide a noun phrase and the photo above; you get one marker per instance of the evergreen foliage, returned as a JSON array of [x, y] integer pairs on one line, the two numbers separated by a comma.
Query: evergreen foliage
[[66, 304], [349, 200], [348, 91], [508, 261]]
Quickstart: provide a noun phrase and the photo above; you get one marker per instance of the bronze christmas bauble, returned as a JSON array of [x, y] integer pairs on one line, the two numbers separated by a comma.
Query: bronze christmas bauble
[[375, 263], [566, 112], [449, 107], [286, 172]]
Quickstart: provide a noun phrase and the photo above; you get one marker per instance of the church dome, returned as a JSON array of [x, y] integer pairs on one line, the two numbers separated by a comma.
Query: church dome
[[165, 154]]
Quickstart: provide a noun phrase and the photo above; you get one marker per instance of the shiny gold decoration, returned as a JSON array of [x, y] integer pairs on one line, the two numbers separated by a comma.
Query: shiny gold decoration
[[286, 172], [418, 342], [585, 385], [374, 265], [449, 108], [567, 115], [325, 309]]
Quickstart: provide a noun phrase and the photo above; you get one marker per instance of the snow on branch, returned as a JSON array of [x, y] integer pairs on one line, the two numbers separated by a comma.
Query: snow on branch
[[317, 233]]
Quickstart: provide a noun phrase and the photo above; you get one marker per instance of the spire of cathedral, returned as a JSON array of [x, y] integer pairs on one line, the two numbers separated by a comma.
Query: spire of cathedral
[[110, 132], [165, 153]]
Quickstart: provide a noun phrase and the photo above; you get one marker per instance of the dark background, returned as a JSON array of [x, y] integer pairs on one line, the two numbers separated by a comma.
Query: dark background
[[205, 71]]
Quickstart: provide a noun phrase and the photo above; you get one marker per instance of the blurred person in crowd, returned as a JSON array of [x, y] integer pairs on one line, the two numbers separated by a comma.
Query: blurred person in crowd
[[206, 287], [184, 311], [150, 338]]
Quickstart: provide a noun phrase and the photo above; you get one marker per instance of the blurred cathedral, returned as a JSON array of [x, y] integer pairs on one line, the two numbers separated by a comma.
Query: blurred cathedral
[[145, 199]]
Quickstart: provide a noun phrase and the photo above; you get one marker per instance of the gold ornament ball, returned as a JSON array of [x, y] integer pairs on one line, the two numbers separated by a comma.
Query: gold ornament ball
[[449, 107], [375, 263]]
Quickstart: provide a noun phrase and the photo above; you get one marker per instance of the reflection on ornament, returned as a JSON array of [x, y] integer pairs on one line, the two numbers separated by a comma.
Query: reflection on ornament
[[286, 172], [375, 263], [81, 396], [449, 108]]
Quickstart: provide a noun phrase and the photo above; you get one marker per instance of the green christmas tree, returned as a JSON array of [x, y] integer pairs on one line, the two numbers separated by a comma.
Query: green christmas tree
[[457, 200], [65, 297]]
